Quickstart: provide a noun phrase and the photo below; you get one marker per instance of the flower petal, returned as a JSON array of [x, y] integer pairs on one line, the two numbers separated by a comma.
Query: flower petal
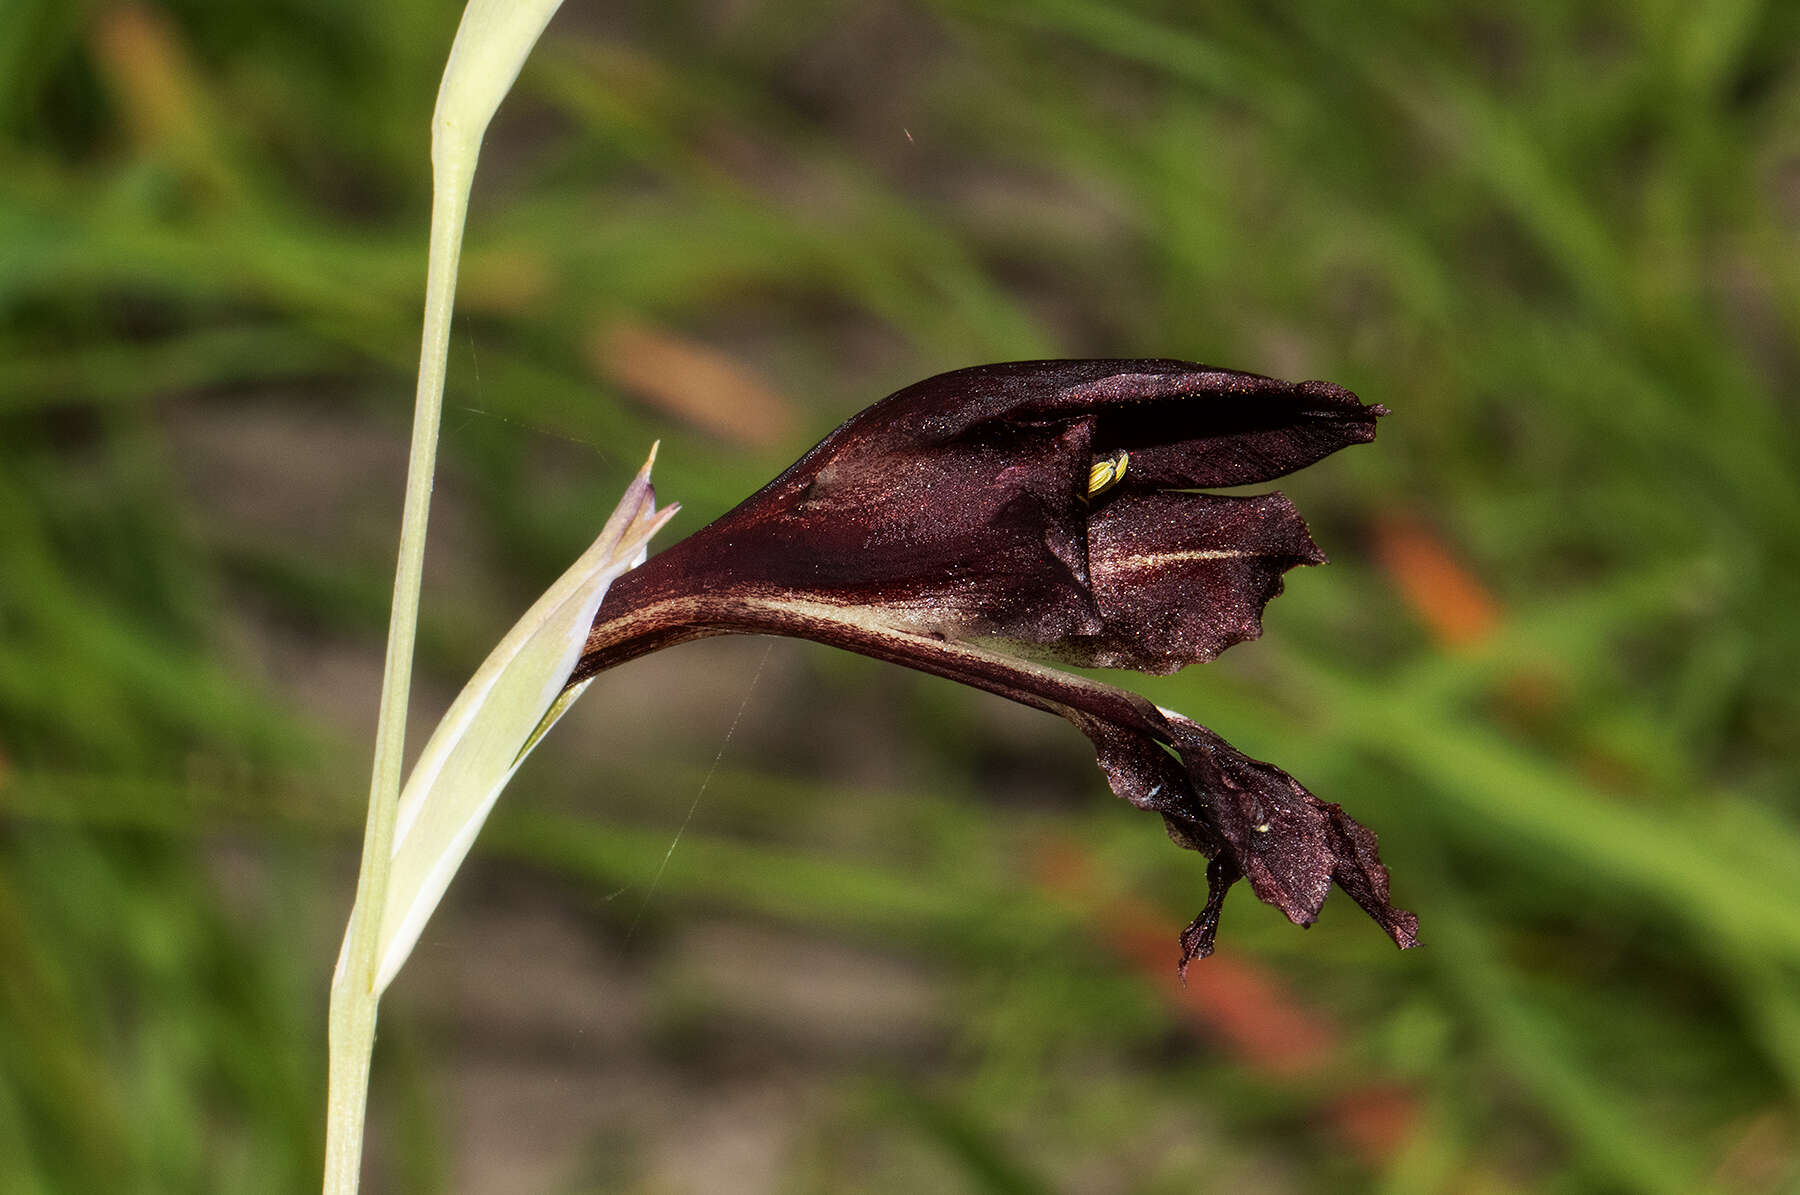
[[1290, 845], [986, 536], [1250, 819], [961, 506], [1180, 577], [1185, 425]]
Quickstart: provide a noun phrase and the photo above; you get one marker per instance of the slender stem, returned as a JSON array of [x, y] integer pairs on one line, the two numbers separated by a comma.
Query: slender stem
[[353, 992]]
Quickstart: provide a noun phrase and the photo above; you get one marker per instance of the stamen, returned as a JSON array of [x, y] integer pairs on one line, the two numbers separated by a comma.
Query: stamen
[[1103, 475]]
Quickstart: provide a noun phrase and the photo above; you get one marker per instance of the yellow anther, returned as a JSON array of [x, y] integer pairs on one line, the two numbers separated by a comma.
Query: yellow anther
[[1104, 474]]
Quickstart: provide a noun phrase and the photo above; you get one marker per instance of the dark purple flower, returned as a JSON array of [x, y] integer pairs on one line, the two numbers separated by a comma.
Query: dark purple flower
[[1046, 508]]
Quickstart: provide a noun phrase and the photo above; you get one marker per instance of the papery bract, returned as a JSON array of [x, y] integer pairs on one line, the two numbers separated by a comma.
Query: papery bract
[[513, 698]]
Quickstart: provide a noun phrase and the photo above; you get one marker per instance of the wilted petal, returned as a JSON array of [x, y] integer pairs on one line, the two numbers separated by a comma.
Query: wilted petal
[[1250, 819], [1287, 843]]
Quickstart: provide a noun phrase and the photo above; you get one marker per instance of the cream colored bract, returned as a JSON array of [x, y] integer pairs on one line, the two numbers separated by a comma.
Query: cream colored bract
[[495, 721]]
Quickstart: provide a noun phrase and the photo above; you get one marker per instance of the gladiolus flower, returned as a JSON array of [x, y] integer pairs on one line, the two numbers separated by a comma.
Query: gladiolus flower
[[1047, 509]]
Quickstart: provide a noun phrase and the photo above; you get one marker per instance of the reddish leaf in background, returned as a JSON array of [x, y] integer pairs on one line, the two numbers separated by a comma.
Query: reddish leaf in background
[[1448, 599], [1247, 1009], [692, 381]]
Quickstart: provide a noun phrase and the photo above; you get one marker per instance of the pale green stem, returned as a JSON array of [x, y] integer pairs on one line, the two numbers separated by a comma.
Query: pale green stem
[[353, 994], [492, 42]]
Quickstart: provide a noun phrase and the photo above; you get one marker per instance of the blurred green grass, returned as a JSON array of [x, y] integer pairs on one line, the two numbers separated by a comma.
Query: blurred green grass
[[1562, 243]]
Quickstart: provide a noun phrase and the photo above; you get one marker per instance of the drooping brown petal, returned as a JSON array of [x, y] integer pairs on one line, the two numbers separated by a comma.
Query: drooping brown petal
[[1250, 819], [1287, 843]]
